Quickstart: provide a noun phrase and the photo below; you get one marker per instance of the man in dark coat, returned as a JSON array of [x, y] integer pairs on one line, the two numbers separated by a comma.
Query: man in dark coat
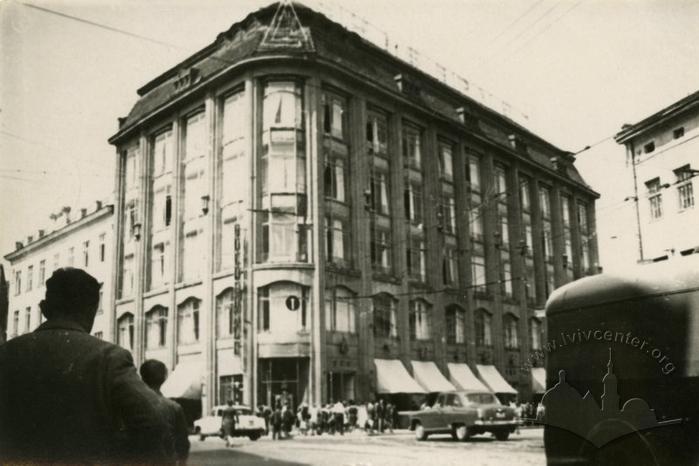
[[70, 398], [154, 374]]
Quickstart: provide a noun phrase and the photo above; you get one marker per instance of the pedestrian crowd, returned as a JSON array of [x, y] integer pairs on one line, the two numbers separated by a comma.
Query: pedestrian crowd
[[333, 418]]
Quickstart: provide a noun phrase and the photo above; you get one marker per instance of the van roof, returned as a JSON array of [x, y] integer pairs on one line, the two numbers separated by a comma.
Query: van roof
[[646, 280]]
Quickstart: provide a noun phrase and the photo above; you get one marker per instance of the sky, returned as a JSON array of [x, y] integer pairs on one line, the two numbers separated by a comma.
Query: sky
[[578, 68]]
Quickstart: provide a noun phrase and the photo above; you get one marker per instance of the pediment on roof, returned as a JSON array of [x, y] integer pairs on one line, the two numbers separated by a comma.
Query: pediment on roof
[[285, 31]]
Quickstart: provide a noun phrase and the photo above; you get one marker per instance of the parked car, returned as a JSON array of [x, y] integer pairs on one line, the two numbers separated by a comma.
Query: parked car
[[464, 414], [247, 425]]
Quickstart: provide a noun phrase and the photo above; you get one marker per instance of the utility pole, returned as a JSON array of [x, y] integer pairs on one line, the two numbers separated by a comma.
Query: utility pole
[[630, 147]]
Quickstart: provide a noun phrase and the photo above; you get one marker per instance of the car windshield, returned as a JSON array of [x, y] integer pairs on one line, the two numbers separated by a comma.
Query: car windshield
[[481, 398]]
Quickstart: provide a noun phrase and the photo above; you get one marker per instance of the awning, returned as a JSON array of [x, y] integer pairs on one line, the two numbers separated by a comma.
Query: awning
[[538, 380], [428, 375], [492, 379], [461, 376], [392, 377], [185, 381]]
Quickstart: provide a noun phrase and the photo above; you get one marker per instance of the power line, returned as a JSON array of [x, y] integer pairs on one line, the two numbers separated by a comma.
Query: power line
[[101, 26], [515, 21]]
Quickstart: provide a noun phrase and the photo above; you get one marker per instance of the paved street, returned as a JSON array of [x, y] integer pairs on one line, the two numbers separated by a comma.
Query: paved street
[[358, 449]]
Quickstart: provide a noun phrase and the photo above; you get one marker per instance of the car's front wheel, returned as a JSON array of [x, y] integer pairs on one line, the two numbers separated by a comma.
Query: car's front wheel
[[420, 433], [461, 433], [254, 436]]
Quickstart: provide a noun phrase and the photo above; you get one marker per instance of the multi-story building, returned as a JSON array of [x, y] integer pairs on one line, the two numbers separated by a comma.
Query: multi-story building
[[301, 214], [84, 242], [663, 151]]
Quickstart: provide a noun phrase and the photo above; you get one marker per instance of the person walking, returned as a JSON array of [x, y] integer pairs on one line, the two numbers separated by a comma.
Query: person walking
[[70, 398], [154, 374], [228, 421], [277, 423], [338, 411], [380, 415]]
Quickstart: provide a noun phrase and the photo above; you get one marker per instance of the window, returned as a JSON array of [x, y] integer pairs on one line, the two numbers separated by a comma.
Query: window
[[648, 148], [56, 261], [545, 202], [507, 279], [100, 302], [500, 181], [419, 320], [655, 198], [337, 243], [376, 134], [102, 240], [446, 162], [71, 257], [379, 193], [131, 168], [450, 267], [413, 203], [162, 207], [162, 153], [511, 333], [678, 133], [384, 316], [156, 327], [15, 320], [127, 272], [18, 282], [416, 259], [524, 196], [685, 188], [188, 321], [456, 325], [229, 311], [30, 277], [334, 115], [233, 149], [125, 331], [334, 179], [99, 335], [86, 253], [283, 238], [194, 164], [28, 319], [380, 249], [275, 315], [483, 328], [478, 274], [535, 334], [473, 173], [448, 214], [158, 266], [412, 147], [340, 311], [42, 273], [192, 260]]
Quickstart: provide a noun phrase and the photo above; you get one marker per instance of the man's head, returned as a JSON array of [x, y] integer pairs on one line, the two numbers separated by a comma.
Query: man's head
[[153, 373], [230, 402], [71, 294]]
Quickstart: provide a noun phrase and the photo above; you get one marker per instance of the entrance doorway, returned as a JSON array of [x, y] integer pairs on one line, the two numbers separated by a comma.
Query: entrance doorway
[[283, 381], [340, 386]]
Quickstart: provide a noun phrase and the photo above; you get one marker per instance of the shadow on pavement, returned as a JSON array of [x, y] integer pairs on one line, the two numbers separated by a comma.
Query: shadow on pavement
[[228, 456]]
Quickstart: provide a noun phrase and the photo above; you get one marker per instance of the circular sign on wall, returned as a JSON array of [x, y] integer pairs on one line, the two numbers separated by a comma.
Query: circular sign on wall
[[293, 303]]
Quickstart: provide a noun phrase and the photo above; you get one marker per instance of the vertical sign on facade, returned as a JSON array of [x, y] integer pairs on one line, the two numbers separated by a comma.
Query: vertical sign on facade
[[237, 321]]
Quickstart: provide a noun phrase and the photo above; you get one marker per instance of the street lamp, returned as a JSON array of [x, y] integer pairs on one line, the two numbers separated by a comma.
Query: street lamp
[[136, 231], [205, 204]]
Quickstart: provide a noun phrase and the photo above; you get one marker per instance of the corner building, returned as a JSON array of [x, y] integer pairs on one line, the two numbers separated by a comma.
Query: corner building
[[298, 210]]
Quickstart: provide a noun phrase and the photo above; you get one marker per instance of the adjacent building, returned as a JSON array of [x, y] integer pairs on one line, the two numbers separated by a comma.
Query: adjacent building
[[663, 151], [84, 242], [300, 214]]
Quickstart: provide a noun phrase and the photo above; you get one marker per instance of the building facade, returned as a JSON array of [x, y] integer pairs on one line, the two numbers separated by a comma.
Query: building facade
[[85, 242], [662, 149], [297, 211]]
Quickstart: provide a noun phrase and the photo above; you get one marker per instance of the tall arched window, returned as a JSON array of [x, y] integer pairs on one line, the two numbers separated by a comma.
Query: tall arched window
[[125, 331], [188, 321], [483, 328], [340, 314], [156, 327], [274, 313], [511, 332], [456, 324], [385, 316], [229, 313], [420, 326]]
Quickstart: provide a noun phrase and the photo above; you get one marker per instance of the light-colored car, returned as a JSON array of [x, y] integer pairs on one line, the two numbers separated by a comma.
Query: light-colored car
[[463, 414], [247, 424]]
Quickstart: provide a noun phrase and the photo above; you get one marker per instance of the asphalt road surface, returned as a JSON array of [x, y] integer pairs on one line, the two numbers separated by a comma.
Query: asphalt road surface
[[358, 449]]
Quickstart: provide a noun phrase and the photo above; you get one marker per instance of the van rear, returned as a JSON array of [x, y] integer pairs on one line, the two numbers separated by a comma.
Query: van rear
[[622, 365]]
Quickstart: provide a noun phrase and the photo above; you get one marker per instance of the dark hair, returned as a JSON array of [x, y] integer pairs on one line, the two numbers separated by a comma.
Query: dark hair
[[153, 373], [71, 293]]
